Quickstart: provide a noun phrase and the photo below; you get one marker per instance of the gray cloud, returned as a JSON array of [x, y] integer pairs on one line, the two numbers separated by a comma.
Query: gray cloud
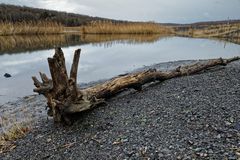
[[183, 11]]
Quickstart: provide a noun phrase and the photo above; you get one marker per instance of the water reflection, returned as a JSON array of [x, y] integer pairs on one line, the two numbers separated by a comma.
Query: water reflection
[[19, 44], [235, 40], [109, 40], [100, 62]]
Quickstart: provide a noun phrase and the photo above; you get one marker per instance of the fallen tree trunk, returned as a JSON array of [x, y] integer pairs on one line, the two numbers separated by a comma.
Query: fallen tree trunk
[[64, 98]]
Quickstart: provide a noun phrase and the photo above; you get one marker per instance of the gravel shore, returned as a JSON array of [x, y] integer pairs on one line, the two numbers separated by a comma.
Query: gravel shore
[[192, 117]]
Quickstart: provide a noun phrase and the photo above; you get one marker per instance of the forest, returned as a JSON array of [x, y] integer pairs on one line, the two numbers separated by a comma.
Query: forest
[[14, 14]]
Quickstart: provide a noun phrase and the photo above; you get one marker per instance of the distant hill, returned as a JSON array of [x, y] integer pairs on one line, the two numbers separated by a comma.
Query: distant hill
[[204, 23], [15, 14]]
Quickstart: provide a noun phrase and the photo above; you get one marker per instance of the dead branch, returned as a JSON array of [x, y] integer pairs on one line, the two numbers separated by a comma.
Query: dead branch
[[64, 98]]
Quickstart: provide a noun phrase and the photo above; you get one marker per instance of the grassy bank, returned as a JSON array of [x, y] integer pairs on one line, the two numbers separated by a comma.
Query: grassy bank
[[106, 27], [205, 30], [96, 27], [30, 28], [198, 30]]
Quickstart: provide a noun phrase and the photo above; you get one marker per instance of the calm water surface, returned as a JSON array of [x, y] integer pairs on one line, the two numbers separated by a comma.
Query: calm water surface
[[105, 60]]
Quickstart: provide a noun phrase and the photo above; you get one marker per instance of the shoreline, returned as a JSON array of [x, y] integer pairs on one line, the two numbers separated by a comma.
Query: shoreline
[[160, 66], [13, 109], [190, 111]]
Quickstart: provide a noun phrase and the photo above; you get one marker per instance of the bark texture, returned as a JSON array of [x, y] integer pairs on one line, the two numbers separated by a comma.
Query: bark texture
[[64, 98]]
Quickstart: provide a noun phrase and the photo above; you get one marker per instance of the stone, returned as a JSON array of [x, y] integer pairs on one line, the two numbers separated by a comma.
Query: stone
[[7, 75]]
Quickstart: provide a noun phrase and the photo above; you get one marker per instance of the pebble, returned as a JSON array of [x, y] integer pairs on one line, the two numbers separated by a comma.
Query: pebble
[[166, 129]]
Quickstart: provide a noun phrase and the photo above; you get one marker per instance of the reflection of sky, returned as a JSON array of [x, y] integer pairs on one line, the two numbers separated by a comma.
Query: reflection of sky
[[98, 62], [179, 11]]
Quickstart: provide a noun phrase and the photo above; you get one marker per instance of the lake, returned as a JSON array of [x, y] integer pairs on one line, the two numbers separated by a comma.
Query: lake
[[102, 57]]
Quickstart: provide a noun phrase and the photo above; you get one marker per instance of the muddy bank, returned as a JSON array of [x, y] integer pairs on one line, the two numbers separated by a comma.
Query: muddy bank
[[183, 118]]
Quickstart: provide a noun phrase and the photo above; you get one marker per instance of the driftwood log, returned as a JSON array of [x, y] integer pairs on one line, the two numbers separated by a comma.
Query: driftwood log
[[65, 98]]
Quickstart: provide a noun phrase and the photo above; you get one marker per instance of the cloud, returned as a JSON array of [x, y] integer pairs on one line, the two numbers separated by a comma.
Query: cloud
[[206, 14], [65, 5]]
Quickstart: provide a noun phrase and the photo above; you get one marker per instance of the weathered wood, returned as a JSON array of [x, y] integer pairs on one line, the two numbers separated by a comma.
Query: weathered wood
[[65, 98]]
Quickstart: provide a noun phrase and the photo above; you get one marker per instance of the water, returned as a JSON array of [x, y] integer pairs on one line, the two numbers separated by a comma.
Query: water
[[103, 58]]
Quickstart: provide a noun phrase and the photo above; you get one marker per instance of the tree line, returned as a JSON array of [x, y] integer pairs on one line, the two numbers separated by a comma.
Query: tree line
[[14, 14]]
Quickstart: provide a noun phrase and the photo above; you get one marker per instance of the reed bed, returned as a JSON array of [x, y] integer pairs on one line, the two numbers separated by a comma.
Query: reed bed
[[106, 27], [28, 28], [227, 30]]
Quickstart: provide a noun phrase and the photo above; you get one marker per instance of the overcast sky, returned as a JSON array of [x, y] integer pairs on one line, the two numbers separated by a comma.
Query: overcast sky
[[178, 11]]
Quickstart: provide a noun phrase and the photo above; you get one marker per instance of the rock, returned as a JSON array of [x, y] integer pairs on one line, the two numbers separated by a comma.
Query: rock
[[166, 151], [210, 151], [49, 140], [232, 158], [7, 75], [197, 149], [237, 126], [228, 123], [160, 155], [190, 142], [231, 119], [218, 136], [129, 154]]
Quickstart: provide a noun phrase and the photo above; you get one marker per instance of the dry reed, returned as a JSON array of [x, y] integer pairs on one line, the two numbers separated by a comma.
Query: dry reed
[[227, 30], [27, 28], [13, 125], [106, 27]]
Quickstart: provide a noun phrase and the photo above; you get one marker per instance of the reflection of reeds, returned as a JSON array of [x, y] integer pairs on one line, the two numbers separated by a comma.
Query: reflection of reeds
[[20, 43], [106, 27], [23, 28], [108, 40], [235, 40]]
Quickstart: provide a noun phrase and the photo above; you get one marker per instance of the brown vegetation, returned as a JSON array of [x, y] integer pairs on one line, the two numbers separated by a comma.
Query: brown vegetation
[[12, 128], [30, 28], [108, 27], [202, 30], [23, 43]]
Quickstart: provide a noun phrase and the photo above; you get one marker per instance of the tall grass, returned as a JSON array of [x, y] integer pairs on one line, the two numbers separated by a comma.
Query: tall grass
[[27, 28], [13, 127], [227, 30], [108, 27]]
